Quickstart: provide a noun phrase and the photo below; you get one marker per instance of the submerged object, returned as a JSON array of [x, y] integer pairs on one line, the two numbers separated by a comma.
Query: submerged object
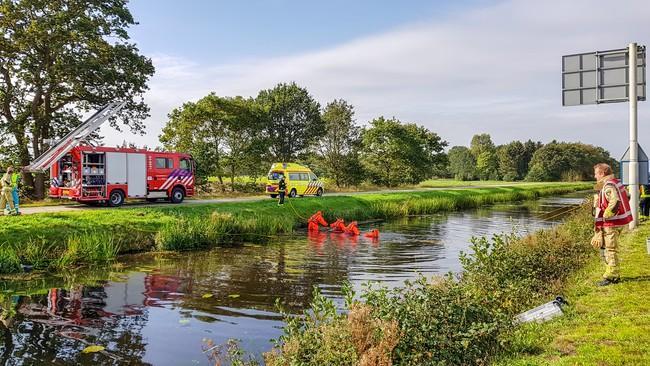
[[543, 312], [312, 226], [372, 234], [352, 228], [315, 220], [338, 225], [318, 218]]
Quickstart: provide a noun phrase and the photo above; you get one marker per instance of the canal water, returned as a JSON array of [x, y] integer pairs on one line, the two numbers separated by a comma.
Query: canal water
[[161, 309]]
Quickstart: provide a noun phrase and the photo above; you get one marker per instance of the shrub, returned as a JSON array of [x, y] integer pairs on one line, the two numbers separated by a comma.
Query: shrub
[[324, 337], [440, 322]]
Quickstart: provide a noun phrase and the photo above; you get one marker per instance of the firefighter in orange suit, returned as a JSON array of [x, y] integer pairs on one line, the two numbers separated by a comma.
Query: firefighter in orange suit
[[612, 212]]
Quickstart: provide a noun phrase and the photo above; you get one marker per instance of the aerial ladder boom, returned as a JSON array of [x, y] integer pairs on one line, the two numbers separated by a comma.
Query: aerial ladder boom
[[74, 138]]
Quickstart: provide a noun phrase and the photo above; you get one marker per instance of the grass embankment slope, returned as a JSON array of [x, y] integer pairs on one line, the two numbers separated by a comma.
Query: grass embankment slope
[[62, 239], [604, 325], [451, 320]]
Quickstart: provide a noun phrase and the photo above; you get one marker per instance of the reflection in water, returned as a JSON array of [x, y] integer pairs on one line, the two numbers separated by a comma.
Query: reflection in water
[[156, 309]]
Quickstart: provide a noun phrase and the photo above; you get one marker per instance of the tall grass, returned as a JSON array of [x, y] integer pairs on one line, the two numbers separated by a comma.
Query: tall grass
[[219, 229], [88, 247], [9, 261]]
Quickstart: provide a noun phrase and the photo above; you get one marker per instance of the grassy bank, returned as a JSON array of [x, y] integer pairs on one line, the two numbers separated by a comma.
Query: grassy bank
[[464, 320], [603, 326], [64, 239]]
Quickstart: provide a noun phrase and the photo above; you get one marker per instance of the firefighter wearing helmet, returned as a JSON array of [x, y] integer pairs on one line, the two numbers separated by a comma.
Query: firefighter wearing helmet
[[611, 213], [6, 189]]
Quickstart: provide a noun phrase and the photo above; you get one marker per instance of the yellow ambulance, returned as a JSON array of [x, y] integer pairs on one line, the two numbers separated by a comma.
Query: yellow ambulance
[[300, 180]]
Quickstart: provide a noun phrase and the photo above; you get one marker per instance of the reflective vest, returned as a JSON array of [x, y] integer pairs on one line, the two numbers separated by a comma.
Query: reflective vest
[[14, 179], [623, 214], [645, 192]]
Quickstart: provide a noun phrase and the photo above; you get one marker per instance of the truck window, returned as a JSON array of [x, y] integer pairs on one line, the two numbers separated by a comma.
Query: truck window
[[304, 176], [185, 164], [164, 163], [294, 176]]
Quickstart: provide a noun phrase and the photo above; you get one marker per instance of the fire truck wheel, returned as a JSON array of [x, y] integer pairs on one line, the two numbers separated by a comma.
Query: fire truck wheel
[[293, 193], [319, 192], [116, 199], [177, 195]]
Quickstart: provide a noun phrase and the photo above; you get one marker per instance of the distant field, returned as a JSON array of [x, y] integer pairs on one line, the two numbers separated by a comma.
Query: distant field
[[437, 183]]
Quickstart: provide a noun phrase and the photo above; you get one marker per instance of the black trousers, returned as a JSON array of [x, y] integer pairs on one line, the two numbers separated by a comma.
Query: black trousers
[[645, 206], [281, 200]]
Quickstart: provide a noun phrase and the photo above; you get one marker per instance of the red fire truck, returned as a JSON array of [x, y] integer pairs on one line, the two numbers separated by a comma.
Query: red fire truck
[[95, 174]]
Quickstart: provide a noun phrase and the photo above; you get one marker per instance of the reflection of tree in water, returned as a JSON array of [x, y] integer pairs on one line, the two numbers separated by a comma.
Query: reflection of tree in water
[[55, 327], [252, 277]]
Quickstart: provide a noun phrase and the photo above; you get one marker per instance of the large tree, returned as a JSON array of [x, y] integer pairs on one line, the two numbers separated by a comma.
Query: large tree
[[60, 58], [338, 147], [567, 161], [484, 152], [512, 161], [462, 163], [481, 143], [225, 135], [395, 153], [294, 121]]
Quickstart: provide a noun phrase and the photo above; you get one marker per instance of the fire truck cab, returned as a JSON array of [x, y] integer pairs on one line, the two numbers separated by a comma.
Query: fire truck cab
[[83, 172], [91, 174]]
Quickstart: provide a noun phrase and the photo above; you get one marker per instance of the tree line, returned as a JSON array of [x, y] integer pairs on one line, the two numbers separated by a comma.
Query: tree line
[[529, 160], [234, 136]]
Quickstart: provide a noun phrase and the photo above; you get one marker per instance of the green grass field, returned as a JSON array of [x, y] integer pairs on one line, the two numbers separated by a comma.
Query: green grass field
[[443, 183], [603, 325]]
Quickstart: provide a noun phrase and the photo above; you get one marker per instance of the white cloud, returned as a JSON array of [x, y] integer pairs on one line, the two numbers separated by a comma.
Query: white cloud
[[494, 69]]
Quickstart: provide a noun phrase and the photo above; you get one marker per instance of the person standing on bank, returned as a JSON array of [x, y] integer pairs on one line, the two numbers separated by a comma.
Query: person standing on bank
[[644, 190], [282, 190], [612, 213], [6, 189], [15, 182]]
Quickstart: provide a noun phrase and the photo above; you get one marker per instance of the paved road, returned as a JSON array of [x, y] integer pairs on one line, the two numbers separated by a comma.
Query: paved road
[[79, 207]]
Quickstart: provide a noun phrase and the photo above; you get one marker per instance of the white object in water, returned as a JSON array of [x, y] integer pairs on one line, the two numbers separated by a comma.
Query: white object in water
[[543, 312]]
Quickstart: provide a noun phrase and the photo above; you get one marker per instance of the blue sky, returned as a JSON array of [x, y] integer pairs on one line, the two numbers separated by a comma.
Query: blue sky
[[456, 67], [226, 31]]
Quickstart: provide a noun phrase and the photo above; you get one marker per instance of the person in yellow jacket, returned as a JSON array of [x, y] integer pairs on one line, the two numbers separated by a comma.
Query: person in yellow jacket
[[6, 192], [15, 182], [644, 190]]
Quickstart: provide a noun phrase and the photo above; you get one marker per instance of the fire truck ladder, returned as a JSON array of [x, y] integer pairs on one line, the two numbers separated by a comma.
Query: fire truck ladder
[[74, 138]]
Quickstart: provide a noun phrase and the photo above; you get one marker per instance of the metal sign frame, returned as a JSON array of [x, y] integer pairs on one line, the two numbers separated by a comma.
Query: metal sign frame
[[601, 77]]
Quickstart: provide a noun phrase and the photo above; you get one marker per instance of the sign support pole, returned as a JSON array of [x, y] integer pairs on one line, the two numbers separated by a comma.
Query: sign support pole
[[634, 153]]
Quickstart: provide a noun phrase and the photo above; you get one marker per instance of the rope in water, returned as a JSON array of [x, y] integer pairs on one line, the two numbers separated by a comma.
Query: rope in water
[[562, 213]]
